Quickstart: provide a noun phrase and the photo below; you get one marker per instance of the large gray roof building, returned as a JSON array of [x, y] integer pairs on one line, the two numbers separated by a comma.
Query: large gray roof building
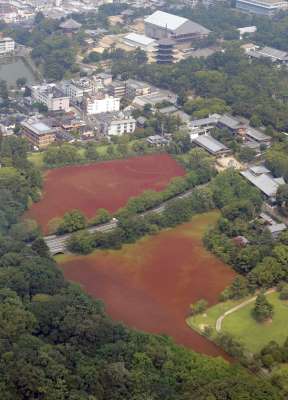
[[212, 145], [161, 25]]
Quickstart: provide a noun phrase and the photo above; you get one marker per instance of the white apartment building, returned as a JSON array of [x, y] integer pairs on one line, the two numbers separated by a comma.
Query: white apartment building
[[51, 97], [116, 124], [100, 103], [77, 89], [7, 46]]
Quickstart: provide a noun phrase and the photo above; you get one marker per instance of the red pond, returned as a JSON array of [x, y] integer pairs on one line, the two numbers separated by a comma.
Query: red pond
[[103, 185], [150, 285]]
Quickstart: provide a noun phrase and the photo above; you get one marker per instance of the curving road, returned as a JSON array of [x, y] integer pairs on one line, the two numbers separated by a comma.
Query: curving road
[[57, 244]]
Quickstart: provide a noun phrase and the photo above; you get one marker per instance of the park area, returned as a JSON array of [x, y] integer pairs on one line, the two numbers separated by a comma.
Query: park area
[[242, 326], [107, 185], [150, 285]]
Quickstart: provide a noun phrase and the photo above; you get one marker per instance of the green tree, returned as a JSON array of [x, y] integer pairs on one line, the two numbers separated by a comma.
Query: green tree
[[72, 221], [262, 310]]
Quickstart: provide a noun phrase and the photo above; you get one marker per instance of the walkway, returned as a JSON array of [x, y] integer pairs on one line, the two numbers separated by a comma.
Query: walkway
[[236, 308]]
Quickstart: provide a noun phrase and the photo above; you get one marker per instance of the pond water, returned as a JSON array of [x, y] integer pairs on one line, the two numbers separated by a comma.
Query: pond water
[[149, 285], [13, 68]]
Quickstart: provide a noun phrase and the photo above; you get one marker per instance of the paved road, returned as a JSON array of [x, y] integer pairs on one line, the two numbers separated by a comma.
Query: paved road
[[57, 244], [220, 320]]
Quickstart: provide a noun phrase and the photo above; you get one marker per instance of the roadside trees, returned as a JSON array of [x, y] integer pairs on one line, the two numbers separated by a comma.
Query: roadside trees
[[71, 222]]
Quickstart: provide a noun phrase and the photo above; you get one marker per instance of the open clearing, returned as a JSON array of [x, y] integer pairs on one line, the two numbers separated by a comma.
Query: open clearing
[[243, 327], [101, 185], [149, 285]]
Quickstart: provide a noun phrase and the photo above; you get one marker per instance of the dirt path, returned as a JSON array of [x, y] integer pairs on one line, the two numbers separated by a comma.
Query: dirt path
[[236, 308]]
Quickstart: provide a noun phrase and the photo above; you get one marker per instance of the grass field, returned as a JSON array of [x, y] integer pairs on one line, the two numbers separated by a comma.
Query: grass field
[[37, 158], [243, 327]]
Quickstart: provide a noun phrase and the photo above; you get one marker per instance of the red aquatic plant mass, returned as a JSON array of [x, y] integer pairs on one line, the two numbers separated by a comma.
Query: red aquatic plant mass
[[151, 284], [102, 185]]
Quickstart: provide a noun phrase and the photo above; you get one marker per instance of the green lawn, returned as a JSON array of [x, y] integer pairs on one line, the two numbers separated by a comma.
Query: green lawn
[[243, 327], [253, 334], [36, 159], [210, 317]]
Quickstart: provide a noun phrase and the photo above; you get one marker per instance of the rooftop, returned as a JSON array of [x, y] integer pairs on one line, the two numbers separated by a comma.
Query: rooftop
[[258, 135], [273, 53], [38, 127], [263, 182], [166, 20], [210, 144], [70, 24], [139, 39]]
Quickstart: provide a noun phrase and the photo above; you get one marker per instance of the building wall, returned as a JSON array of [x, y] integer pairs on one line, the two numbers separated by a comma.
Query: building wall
[[7, 46], [40, 141], [257, 8], [118, 128], [52, 103], [156, 32], [98, 106]]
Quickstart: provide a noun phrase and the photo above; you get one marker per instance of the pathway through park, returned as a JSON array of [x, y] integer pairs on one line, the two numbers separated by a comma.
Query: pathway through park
[[236, 308]]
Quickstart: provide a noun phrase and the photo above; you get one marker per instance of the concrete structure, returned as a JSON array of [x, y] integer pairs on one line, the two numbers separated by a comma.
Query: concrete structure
[[101, 103], [115, 124], [156, 97], [261, 7], [117, 89], [7, 46], [38, 133], [137, 88], [157, 141], [161, 25], [51, 97], [143, 42], [77, 89]]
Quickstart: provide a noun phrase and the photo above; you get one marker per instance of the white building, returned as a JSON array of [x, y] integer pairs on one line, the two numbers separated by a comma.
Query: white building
[[116, 124], [261, 7], [7, 46], [77, 89], [100, 103], [51, 97], [145, 43]]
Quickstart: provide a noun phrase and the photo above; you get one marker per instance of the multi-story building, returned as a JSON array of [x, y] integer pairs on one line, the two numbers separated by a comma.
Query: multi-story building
[[101, 103], [262, 7], [137, 88], [115, 124], [7, 46], [38, 133], [77, 89], [117, 89], [51, 97]]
